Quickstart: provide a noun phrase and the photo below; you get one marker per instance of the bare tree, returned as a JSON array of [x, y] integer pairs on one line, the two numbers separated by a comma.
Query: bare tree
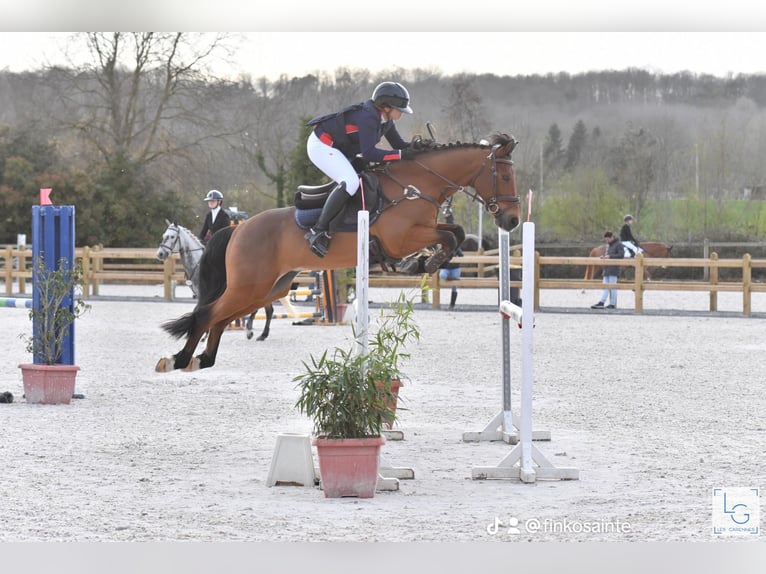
[[141, 95], [465, 111]]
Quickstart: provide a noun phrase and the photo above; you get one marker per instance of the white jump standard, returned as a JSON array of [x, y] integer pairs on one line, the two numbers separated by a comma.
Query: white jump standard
[[505, 424], [525, 462]]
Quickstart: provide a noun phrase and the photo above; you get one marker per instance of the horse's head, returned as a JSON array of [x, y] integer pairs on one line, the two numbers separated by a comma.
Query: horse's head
[[495, 182], [483, 171], [169, 241]]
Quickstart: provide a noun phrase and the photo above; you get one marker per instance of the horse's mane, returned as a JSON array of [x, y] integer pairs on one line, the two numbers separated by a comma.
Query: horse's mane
[[493, 139], [197, 240], [190, 233]]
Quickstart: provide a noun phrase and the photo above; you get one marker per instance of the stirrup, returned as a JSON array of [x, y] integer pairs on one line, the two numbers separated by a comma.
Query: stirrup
[[319, 242]]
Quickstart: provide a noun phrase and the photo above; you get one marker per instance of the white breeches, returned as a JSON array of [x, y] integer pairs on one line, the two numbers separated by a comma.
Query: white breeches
[[333, 163]]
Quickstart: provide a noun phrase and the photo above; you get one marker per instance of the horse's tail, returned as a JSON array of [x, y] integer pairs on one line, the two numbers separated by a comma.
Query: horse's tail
[[185, 325], [212, 267]]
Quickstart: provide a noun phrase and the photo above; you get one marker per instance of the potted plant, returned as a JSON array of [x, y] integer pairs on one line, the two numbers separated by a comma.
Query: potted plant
[[350, 396], [57, 305]]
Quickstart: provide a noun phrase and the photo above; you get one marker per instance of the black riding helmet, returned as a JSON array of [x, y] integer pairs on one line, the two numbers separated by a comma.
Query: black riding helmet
[[214, 195], [394, 95]]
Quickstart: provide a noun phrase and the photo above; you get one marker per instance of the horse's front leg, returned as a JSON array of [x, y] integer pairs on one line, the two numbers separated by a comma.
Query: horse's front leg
[[249, 324], [269, 314], [450, 236]]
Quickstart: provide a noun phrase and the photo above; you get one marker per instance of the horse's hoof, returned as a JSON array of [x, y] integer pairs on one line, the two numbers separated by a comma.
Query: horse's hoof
[[261, 338], [192, 366], [164, 365], [249, 335]]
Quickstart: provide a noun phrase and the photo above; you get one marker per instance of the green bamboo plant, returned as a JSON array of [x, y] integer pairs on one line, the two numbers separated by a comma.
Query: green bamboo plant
[[348, 393]]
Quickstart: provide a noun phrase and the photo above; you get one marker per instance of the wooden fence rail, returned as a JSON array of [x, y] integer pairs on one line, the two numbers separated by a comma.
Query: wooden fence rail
[[479, 271]]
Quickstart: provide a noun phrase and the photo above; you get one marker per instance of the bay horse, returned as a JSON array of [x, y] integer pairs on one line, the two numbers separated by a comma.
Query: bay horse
[[268, 250], [178, 238], [651, 249]]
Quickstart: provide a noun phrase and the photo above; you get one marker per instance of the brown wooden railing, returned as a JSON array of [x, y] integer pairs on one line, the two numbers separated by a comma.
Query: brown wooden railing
[[479, 271]]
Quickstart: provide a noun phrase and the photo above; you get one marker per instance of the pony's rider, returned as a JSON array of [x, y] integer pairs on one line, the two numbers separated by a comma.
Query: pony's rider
[[217, 218], [629, 242], [339, 137]]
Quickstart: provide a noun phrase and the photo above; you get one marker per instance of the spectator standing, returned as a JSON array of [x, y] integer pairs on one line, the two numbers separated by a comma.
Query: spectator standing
[[614, 250]]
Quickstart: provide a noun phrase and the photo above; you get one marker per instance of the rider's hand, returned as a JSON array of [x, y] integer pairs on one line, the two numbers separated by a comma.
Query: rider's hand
[[418, 143], [407, 153]]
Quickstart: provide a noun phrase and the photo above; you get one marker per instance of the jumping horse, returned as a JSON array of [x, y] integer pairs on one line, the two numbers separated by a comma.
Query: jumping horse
[[651, 249], [268, 250], [178, 238]]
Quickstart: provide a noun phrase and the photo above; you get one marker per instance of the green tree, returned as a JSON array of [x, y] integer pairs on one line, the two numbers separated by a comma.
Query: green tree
[[465, 111], [583, 206], [302, 171], [553, 150], [576, 145], [632, 165]]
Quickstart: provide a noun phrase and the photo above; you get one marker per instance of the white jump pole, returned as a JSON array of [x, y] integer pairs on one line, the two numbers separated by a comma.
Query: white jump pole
[[388, 476], [519, 463], [362, 279]]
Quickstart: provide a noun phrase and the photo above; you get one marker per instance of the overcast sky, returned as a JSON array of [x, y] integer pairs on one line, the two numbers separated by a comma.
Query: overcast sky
[[502, 53], [497, 37]]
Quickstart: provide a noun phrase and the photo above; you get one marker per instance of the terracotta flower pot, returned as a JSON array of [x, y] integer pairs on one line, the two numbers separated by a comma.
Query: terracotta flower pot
[[349, 466], [395, 386], [48, 384]]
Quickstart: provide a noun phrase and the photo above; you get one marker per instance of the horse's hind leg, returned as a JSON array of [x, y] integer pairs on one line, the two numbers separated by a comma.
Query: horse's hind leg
[[207, 357], [182, 358]]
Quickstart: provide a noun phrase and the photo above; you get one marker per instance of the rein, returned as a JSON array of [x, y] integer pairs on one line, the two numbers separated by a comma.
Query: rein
[[411, 192]]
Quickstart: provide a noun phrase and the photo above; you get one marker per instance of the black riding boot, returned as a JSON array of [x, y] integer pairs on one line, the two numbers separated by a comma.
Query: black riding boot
[[453, 298], [319, 235]]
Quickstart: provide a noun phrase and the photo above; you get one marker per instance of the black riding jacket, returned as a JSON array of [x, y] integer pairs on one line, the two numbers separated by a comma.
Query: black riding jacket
[[626, 234], [357, 130]]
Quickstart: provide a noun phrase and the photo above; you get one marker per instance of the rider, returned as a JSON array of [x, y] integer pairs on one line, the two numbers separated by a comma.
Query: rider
[[217, 218], [627, 239], [355, 130]]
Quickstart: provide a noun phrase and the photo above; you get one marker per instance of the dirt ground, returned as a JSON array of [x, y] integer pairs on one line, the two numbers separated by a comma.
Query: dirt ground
[[654, 410]]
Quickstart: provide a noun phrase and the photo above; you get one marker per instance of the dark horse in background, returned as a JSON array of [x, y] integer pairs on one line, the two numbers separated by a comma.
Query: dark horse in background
[[258, 263], [651, 249]]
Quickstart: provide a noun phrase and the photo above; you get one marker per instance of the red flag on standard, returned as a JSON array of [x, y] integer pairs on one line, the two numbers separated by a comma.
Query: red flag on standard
[[45, 198]]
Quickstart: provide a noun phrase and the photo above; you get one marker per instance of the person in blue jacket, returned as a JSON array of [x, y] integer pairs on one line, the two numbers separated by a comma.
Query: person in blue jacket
[[356, 130]]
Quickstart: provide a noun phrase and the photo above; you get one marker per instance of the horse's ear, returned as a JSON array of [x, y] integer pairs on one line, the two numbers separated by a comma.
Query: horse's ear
[[508, 148], [168, 222]]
